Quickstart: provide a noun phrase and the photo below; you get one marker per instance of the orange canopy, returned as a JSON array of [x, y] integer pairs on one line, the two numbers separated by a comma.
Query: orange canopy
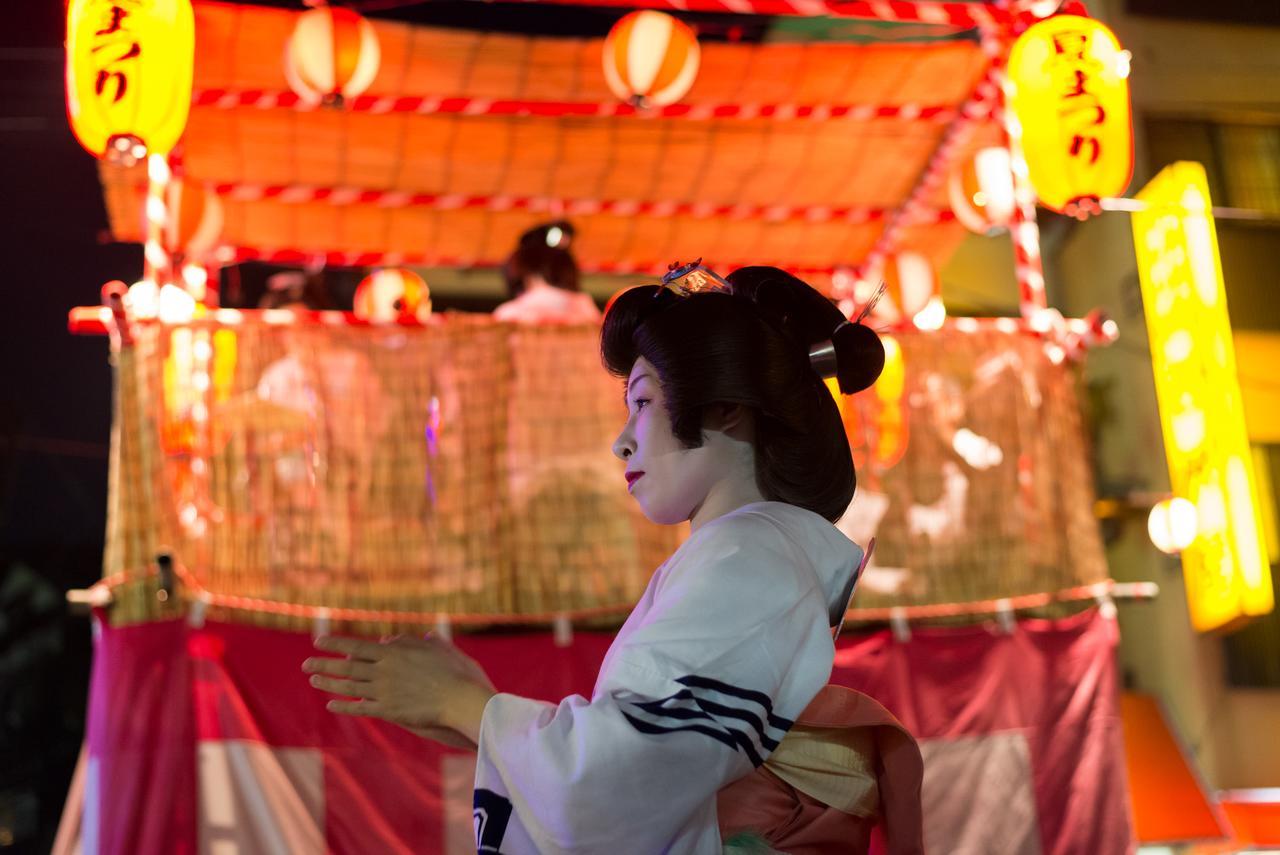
[[424, 166]]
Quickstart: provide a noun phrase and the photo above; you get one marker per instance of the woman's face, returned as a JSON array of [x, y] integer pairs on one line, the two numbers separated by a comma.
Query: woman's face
[[668, 480]]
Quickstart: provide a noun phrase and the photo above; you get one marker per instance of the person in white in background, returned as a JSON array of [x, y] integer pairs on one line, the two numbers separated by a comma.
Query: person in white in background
[[543, 282], [731, 428]]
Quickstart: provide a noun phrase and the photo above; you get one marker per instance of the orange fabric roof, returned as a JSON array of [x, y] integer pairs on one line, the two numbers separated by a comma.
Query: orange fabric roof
[[870, 163]]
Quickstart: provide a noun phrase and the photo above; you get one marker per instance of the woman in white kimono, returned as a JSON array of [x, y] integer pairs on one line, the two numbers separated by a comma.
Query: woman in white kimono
[[730, 427]]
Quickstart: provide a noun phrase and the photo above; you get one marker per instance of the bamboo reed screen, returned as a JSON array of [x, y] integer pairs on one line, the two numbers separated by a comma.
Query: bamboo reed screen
[[465, 468]]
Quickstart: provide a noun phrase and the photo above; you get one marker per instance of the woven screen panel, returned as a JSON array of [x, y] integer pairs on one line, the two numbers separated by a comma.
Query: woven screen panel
[[975, 481], [465, 468]]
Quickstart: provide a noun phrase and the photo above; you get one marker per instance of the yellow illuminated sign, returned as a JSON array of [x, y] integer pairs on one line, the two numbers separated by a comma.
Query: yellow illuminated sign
[[1210, 464]]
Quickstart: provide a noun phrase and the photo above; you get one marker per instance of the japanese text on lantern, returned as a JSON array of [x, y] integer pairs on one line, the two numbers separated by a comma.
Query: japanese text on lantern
[[1071, 97], [1201, 414], [116, 49], [129, 68], [1079, 107]]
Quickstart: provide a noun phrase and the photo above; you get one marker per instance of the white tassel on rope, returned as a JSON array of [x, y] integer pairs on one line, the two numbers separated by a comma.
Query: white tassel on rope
[[444, 629], [898, 623], [1106, 605], [562, 630], [1005, 617], [320, 625], [199, 608]]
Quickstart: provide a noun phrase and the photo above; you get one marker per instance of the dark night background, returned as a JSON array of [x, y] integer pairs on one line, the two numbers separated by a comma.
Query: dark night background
[[55, 418]]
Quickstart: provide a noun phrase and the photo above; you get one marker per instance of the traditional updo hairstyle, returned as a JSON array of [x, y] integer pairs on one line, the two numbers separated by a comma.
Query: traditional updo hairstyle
[[752, 347], [543, 251]]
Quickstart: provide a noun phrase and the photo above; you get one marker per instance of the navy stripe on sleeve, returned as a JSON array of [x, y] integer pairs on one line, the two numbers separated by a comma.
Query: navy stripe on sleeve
[[742, 719], [707, 709], [695, 682], [732, 738]]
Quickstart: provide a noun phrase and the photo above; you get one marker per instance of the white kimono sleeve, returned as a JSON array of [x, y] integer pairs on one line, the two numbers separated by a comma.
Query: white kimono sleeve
[[730, 644]]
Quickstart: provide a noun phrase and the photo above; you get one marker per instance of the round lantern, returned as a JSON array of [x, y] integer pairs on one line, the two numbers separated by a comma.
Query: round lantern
[[1070, 93], [911, 291], [1172, 525], [650, 59], [332, 54], [194, 223], [391, 295], [128, 76], [981, 191]]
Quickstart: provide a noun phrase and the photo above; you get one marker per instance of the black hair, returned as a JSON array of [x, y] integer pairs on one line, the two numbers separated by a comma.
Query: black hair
[[535, 254], [748, 347]]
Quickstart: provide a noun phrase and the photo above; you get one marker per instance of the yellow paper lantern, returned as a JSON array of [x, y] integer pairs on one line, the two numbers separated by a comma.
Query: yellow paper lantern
[[332, 54], [128, 75], [650, 59], [392, 294], [980, 191], [1070, 94]]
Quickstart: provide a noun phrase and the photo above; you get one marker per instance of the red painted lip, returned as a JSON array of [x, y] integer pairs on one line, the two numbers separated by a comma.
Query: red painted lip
[[633, 477]]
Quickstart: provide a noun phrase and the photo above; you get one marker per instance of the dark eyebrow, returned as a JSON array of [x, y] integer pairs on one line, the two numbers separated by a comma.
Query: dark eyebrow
[[627, 386]]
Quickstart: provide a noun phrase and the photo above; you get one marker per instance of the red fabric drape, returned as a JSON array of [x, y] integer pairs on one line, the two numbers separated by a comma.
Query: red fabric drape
[[197, 733]]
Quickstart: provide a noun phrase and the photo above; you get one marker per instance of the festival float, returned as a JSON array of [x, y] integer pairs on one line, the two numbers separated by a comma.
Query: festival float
[[389, 469]]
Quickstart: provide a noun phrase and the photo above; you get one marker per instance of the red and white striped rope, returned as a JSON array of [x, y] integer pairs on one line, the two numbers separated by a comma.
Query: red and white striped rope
[[300, 193], [156, 216], [1023, 229], [236, 255], [1096, 329], [937, 168], [263, 99], [957, 16]]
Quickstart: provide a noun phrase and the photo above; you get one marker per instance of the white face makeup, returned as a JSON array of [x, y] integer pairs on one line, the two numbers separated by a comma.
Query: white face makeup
[[668, 480]]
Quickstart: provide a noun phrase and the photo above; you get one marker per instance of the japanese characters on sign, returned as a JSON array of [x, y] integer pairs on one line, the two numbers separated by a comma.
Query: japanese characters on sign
[[1227, 576], [1071, 97], [129, 68]]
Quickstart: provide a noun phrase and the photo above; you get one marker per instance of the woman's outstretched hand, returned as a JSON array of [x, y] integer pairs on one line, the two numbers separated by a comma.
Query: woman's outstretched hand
[[425, 685]]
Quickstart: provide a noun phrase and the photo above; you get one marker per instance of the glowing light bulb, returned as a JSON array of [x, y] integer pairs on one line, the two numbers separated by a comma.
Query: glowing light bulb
[[1172, 525]]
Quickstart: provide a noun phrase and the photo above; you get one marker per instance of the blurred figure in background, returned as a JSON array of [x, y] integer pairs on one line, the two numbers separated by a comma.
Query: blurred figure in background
[[543, 281]]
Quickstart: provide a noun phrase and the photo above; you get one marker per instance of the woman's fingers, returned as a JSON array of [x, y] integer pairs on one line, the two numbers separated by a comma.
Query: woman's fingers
[[349, 688], [355, 647], [354, 669], [361, 708]]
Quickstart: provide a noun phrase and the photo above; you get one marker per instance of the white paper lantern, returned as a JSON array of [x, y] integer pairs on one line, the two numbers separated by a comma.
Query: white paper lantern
[[332, 54], [650, 59]]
